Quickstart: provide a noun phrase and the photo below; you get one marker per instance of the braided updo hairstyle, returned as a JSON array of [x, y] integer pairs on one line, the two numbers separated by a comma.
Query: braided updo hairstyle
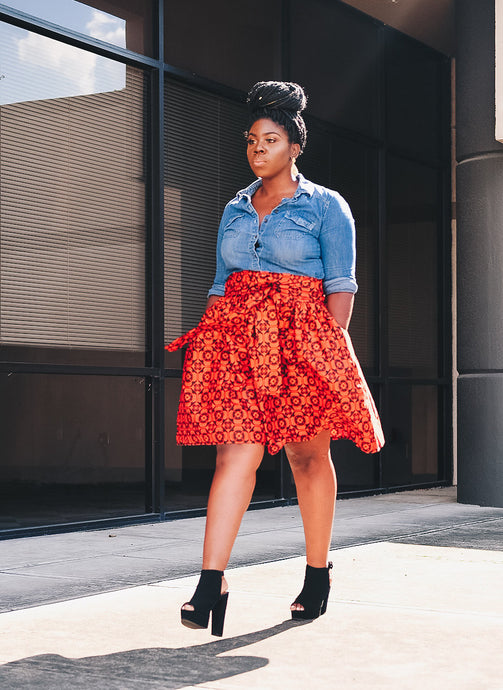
[[282, 102]]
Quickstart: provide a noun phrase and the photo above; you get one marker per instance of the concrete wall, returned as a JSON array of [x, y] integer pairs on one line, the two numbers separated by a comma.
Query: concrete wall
[[479, 181]]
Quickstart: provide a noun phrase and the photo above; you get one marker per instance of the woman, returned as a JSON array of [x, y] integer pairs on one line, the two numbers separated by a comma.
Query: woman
[[271, 361]]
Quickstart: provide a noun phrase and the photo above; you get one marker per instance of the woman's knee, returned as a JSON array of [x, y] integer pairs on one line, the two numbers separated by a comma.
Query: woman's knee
[[242, 458], [309, 456], [302, 461]]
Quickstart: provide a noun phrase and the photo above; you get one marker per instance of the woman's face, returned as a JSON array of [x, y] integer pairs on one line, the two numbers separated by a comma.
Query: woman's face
[[269, 151]]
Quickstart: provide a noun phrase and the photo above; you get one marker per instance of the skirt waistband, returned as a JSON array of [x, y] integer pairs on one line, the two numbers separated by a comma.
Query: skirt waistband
[[253, 284]]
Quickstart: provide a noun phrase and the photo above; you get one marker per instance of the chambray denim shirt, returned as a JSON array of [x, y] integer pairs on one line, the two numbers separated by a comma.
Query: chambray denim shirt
[[311, 234]]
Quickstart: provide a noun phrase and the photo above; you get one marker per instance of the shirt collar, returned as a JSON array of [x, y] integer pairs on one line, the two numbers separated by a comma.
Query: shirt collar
[[304, 187]]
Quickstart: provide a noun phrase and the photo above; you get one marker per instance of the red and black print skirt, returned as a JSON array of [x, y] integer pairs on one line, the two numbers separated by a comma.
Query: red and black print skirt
[[269, 364]]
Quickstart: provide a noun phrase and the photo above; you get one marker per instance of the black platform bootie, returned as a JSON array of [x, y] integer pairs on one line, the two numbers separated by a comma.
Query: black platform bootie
[[207, 598], [314, 594]]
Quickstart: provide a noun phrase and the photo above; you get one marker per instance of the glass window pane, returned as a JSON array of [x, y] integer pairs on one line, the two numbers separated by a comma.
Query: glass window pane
[[413, 97], [123, 23], [314, 163], [412, 268], [411, 452], [354, 175], [72, 213], [236, 45], [351, 169], [335, 56], [178, 496], [73, 448]]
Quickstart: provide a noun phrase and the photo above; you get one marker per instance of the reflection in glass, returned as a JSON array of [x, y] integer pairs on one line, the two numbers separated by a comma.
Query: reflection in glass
[[231, 43], [415, 80], [123, 23], [354, 175], [72, 213], [73, 448], [335, 55], [412, 260], [36, 68], [411, 452], [351, 169]]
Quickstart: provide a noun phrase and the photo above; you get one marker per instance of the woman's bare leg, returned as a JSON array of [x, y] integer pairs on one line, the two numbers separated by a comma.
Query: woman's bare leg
[[230, 495], [316, 483]]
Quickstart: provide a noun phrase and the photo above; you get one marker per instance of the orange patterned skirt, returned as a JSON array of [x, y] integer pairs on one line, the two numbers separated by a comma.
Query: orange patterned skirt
[[269, 364]]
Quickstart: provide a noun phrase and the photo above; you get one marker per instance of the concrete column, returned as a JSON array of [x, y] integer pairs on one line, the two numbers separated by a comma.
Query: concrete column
[[479, 180]]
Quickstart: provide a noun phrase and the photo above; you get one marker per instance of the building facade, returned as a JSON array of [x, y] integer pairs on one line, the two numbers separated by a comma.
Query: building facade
[[120, 142]]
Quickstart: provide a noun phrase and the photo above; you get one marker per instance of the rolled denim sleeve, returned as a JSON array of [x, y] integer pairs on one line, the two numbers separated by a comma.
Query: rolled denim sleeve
[[338, 246], [221, 274]]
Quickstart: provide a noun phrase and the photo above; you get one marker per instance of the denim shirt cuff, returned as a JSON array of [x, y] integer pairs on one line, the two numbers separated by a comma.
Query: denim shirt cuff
[[345, 284], [217, 289]]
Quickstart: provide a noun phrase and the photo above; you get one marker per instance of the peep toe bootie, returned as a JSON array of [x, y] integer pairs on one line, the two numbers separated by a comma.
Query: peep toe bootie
[[208, 598], [314, 594]]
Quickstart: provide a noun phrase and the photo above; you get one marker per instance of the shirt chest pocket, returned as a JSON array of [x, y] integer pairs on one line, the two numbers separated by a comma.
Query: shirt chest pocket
[[295, 226], [235, 241], [236, 224]]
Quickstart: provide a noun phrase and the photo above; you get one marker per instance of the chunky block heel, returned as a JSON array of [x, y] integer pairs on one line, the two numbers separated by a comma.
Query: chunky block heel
[[208, 598], [218, 616], [314, 594]]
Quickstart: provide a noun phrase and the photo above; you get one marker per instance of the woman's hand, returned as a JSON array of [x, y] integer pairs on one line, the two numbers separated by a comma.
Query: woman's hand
[[211, 301], [340, 305]]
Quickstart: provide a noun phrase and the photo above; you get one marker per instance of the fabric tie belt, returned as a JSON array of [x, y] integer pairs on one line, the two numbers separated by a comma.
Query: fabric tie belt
[[254, 302]]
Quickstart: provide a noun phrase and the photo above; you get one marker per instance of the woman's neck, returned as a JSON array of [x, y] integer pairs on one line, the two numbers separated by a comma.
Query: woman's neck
[[280, 185]]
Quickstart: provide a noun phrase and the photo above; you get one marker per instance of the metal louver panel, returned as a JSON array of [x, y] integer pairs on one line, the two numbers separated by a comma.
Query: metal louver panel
[[72, 220], [205, 166]]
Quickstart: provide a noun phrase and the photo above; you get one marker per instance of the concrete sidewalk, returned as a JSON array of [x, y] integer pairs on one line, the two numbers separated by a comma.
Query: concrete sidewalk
[[416, 602]]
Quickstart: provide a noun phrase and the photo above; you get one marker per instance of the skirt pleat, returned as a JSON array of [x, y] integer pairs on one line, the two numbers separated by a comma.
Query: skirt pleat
[[269, 364]]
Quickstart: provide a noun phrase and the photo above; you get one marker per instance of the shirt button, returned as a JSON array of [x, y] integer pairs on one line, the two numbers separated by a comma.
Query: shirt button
[[275, 210]]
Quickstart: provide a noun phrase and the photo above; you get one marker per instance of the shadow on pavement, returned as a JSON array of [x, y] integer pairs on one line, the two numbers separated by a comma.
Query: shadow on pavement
[[169, 668]]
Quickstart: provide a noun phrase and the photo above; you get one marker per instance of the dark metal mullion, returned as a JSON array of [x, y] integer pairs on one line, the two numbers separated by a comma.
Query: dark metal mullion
[[382, 301], [285, 40], [446, 449], [156, 403], [393, 488], [150, 110], [411, 381], [61, 528], [173, 373], [418, 381], [444, 441], [76, 369]]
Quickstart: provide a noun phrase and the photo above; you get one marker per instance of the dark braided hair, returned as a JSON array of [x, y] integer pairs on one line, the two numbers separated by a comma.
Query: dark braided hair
[[282, 102]]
